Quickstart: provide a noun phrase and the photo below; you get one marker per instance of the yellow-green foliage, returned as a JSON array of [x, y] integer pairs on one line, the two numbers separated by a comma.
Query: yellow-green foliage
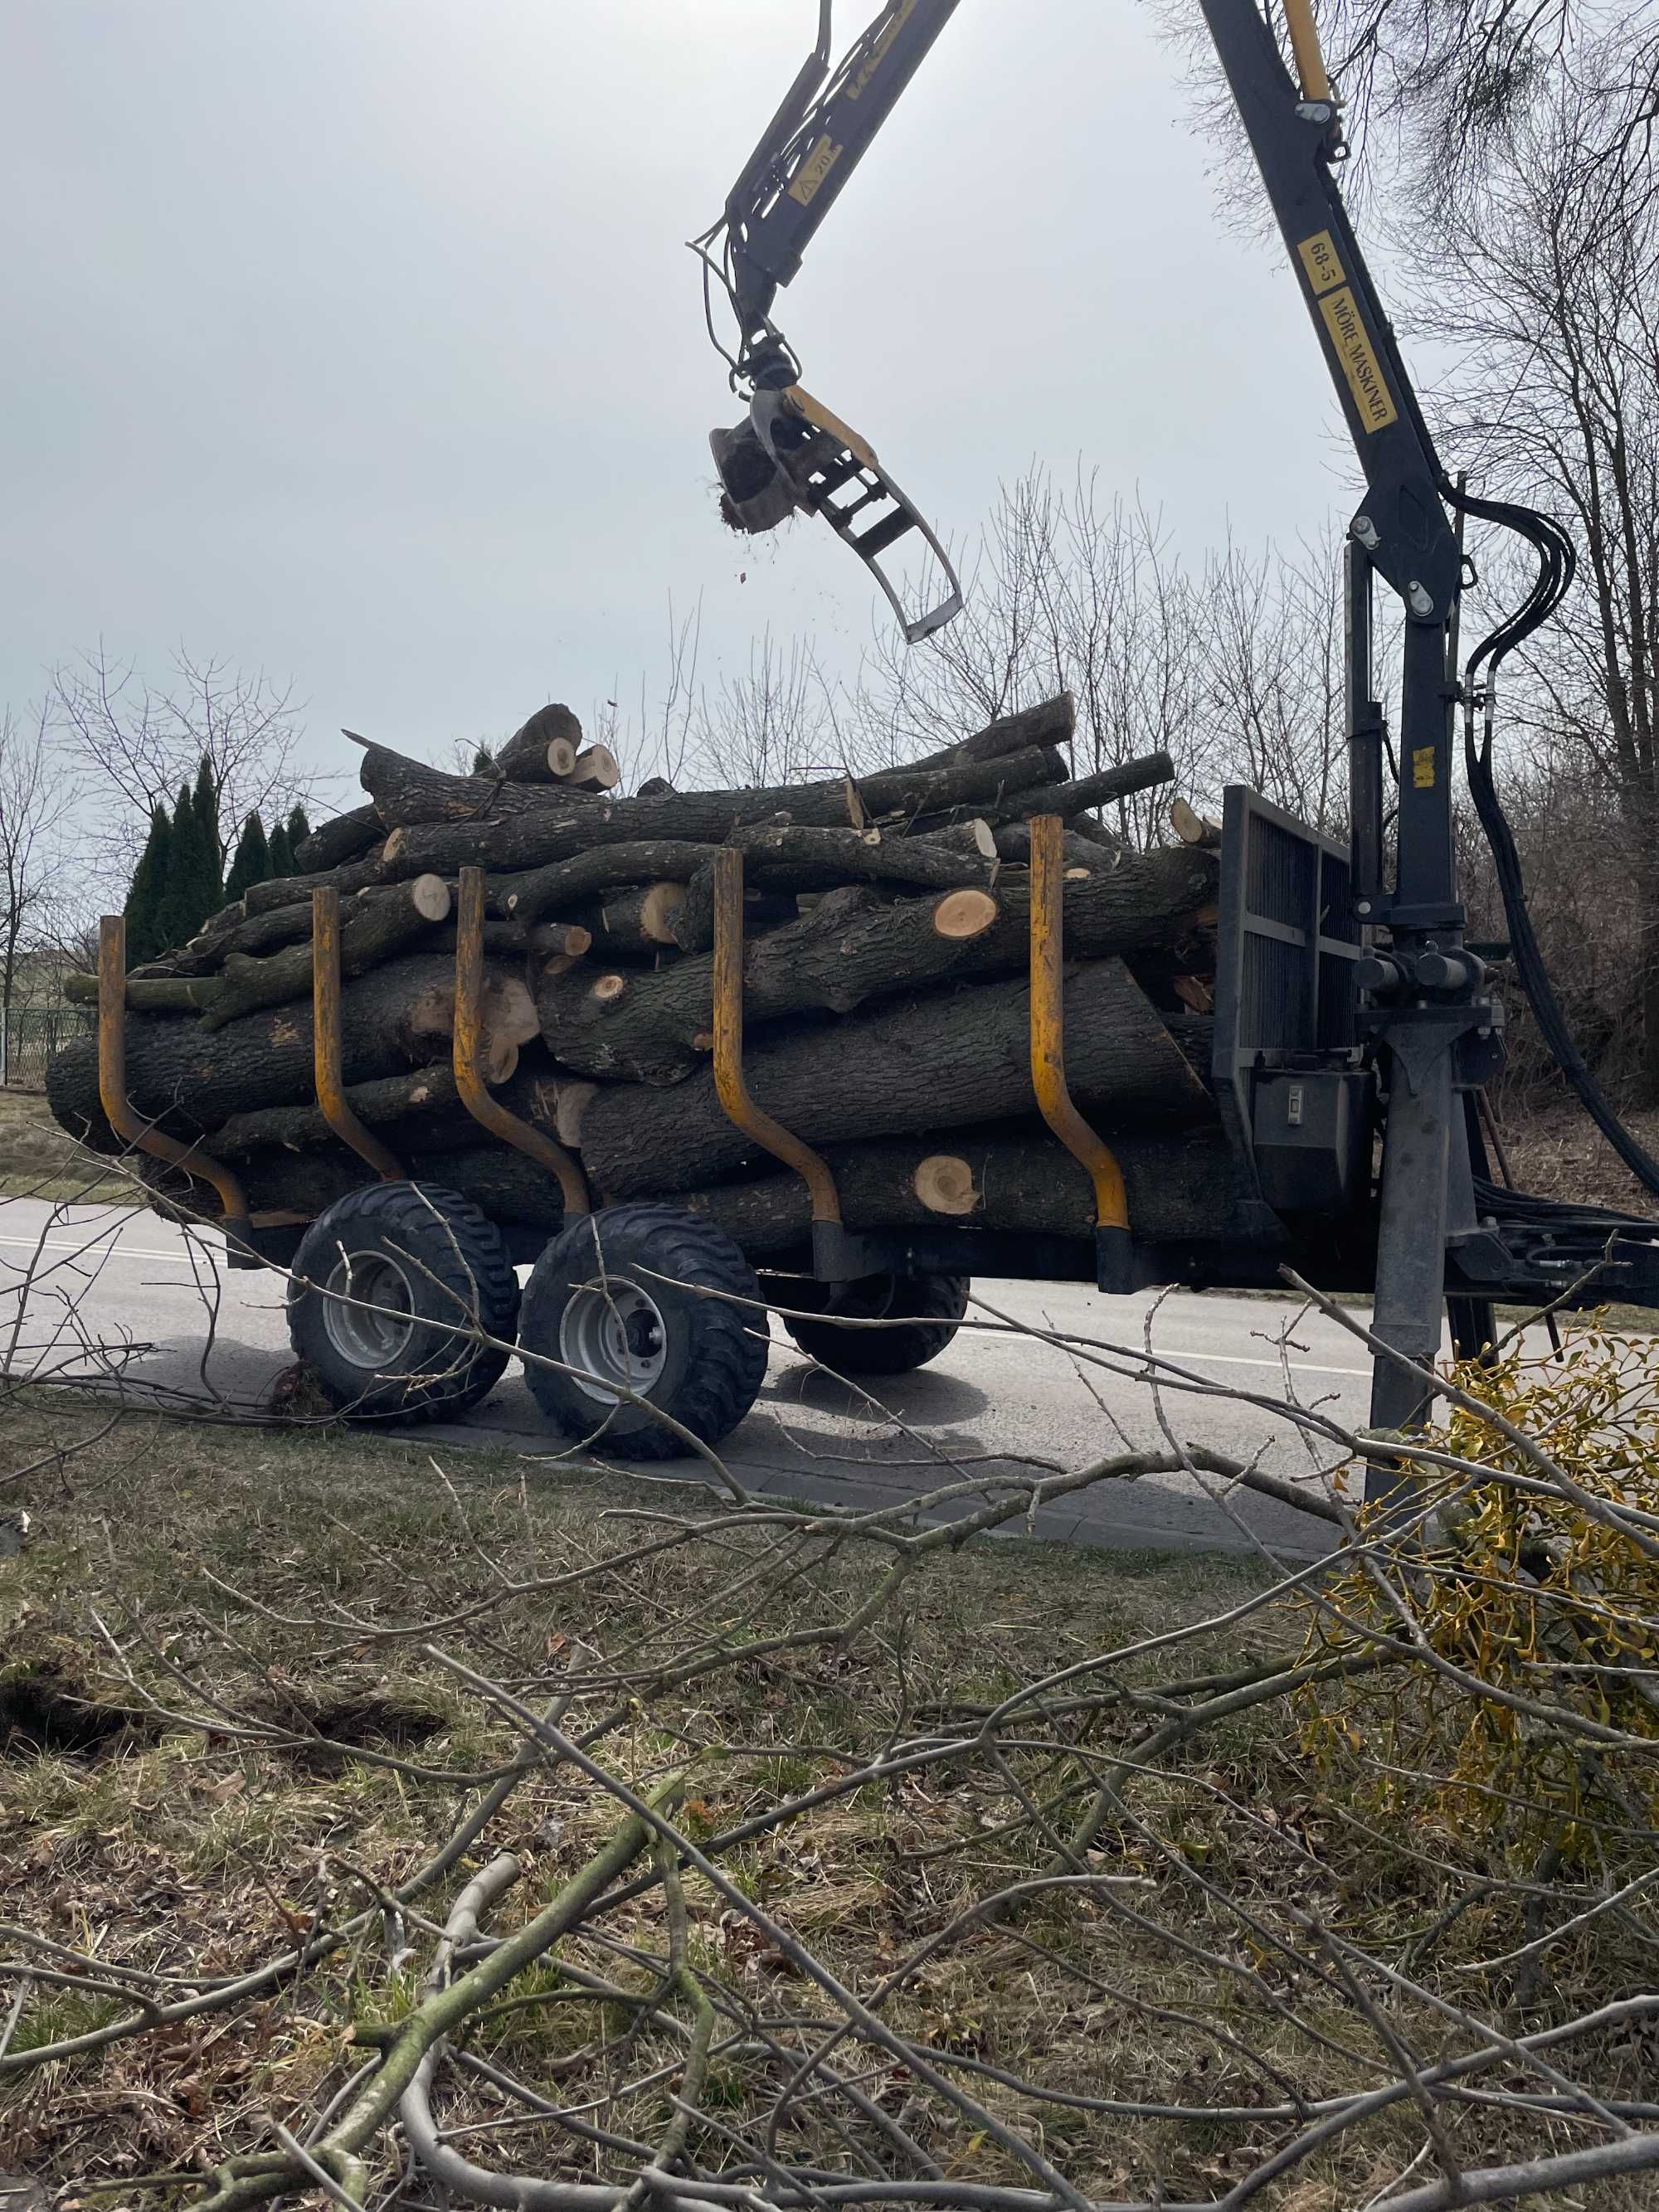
[[1533, 1595]]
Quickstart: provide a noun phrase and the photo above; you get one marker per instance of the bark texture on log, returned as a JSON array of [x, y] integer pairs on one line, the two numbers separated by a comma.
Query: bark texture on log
[[373, 928], [694, 924], [849, 950], [388, 1101], [640, 919], [564, 885], [408, 792], [1068, 799], [505, 1184], [785, 857], [935, 1063], [476, 827], [348, 837], [295, 890], [1052, 722], [151, 994], [1009, 1177], [534, 752], [189, 1079], [1013, 842]]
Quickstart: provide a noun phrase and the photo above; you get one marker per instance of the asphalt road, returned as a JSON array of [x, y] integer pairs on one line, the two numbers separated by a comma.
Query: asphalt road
[[97, 1291]]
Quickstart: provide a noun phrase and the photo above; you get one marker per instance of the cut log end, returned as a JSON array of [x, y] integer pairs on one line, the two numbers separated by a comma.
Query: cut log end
[[570, 1102], [1192, 827], [561, 758], [500, 1059], [961, 915], [430, 897], [661, 903], [509, 1011], [608, 987], [944, 1184], [595, 767]]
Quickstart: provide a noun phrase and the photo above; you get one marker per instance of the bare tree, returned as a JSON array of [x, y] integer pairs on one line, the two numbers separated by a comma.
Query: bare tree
[[137, 742], [37, 801], [1269, 644], [1550, 285]]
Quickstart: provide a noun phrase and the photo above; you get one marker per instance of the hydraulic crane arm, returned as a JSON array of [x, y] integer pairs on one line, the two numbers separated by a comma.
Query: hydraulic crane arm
[[793, 453], [1431, 1025]]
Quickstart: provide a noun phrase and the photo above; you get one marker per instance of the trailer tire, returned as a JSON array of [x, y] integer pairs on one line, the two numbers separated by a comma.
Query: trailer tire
[[932, 1306], [430, 1254], [701, 1360]]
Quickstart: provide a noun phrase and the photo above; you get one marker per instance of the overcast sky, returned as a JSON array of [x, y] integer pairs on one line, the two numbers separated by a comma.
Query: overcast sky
[[357, 339]]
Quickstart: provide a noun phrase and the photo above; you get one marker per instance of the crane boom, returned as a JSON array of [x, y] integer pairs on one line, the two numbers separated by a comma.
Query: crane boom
[[1430, 1025]]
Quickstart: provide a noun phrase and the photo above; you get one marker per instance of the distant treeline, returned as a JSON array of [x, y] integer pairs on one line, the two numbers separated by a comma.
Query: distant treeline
[[180, 877]]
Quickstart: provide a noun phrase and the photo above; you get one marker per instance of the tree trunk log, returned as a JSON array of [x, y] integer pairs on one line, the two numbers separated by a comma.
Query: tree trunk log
[[348, 837], [780, 856], [641, 919], [384, 1103], [1008, 1177], [1194, 828], [933, 1063], [151, 994], [504, 826], [189, 1081], [694, 924], [565, 885], [503, 1183], [406, 791], [594, 768], [1013, 842], [419, 1112], [655, 1028], [372, 929], [1050, 723], [353, 876], [1068, 799], [543, 750]]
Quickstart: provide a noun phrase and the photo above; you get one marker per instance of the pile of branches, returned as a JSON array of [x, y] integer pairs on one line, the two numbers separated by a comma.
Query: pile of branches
[[753, 1899], [887, 926]]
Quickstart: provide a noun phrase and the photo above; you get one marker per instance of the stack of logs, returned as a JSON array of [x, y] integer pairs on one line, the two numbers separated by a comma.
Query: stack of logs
[[885, 1002]]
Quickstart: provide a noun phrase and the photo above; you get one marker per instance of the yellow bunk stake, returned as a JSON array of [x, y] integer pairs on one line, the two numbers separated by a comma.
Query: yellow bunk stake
[[1113, 1250], [488, 1111], [730, 1087], [325, 1059], [129, 1126]]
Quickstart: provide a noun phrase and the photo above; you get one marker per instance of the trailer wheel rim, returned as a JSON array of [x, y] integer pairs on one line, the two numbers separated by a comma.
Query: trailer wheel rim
[[376, 1329], [613, 1335]]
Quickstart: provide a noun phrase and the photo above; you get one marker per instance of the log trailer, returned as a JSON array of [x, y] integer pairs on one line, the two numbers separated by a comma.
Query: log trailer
[[1350, 1011]]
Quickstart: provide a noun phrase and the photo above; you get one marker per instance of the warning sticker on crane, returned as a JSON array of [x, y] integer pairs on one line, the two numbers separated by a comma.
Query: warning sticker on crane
[[814, 169], [1354, 349]]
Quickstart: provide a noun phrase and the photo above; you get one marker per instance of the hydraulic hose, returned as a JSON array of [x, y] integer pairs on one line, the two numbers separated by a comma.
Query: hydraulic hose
[[1557, 563]]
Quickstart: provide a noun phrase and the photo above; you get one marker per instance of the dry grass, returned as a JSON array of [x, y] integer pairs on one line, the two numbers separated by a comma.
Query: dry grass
[[161, 1845], [192, 1850], [36, 1158]]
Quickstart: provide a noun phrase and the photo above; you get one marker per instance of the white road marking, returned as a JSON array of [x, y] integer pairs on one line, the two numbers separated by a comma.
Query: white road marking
[[89, 1251]]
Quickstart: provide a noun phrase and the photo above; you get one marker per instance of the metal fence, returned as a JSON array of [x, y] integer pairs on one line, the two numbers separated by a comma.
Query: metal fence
[[33, 1038]]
